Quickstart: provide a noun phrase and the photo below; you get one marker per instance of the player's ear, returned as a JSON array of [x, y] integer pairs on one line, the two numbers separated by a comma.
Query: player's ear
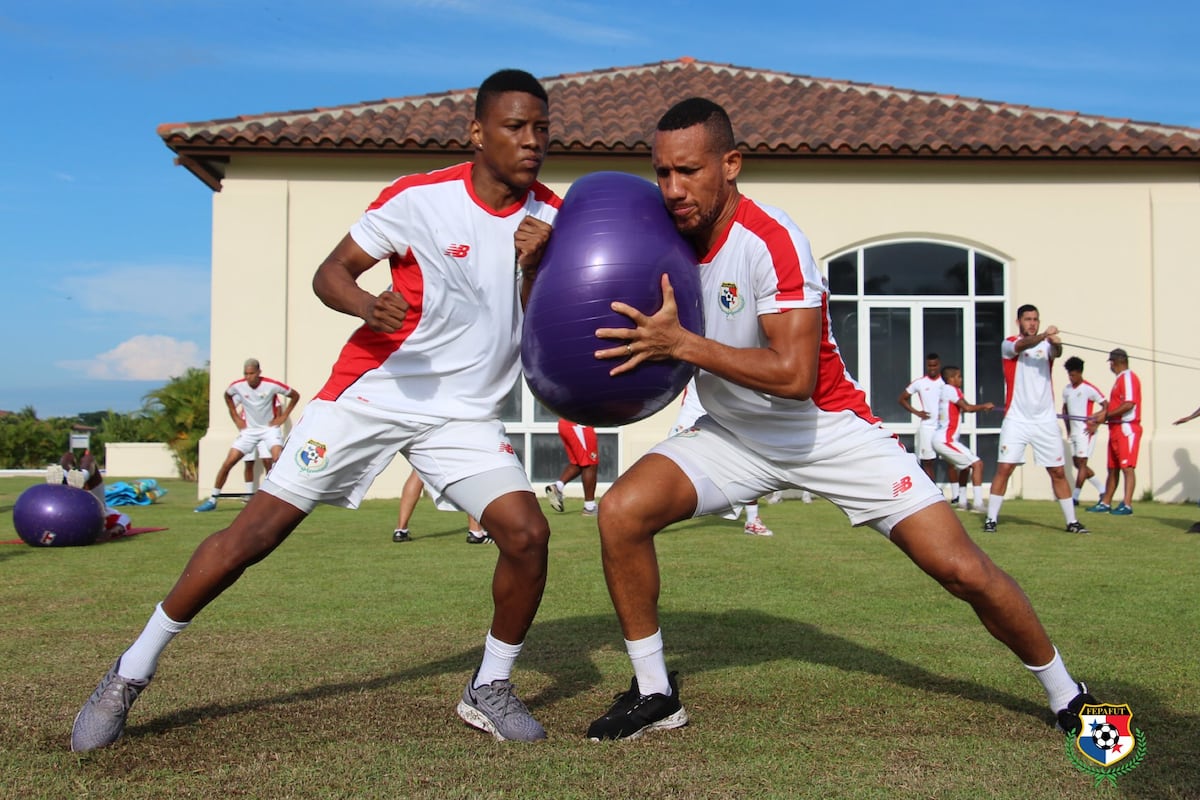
[[731, 163]]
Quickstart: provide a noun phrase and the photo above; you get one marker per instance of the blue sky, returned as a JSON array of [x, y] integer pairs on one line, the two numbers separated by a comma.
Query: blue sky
[[105, 244]]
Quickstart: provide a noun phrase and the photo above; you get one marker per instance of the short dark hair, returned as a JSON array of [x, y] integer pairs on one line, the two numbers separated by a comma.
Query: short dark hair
[[1027, 307], [947, 370], [932, 357], [507, 80], [701, 111], [1074, 364]]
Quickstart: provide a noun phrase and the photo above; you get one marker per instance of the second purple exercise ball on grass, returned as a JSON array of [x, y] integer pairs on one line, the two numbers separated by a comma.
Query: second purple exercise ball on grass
[[613, 240]]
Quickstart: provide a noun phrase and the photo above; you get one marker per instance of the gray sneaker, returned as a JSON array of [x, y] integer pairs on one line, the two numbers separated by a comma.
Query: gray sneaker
[[556, 497], [496, 709], [101, 721]]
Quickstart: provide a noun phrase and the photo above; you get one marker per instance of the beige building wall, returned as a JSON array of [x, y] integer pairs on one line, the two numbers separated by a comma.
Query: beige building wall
[[1105, 250]]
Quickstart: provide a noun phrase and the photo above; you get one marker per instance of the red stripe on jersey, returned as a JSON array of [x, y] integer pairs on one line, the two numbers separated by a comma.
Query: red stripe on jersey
[[368, 349], [835, 389], [953, 413], [458, 172], [1010, 375], [789, 274]]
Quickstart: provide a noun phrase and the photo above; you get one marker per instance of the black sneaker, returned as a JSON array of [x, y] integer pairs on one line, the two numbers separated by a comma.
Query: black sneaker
[[989, 526], [635, 713], [1068, 718], [401, 535], [482, 538], [1076, 527]]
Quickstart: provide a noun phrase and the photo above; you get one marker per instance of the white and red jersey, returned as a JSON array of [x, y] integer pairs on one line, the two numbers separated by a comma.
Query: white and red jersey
[[929, 390], [949, 413], [258, 404], [762, 265], [457, 354], [1029, 391], [1080, 401], [1126, 389]]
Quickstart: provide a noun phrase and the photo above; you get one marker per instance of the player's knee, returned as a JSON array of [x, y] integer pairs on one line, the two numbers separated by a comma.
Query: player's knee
[[527, 539]]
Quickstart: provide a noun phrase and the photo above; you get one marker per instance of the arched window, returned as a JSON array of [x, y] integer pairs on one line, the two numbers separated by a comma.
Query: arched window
[[891, 303]]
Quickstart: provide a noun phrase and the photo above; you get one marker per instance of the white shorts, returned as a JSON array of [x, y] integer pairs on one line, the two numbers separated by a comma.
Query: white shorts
[[923, 442], [261, 451], [861, 468], [1016, 434], [1082, 445], [955, 453], [337, 449], [258, 440]]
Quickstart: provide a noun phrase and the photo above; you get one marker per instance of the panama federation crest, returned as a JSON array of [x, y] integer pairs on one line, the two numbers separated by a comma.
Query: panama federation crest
[[311, 457], [1106, 745], [730, 300]]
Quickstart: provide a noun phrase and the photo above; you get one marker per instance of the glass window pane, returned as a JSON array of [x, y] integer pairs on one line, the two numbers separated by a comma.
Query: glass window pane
[[543, 414], [510, 409], [608, 457], [843, 320], [908, 268], [891, 334], [942, 329], [987, 447], [989, 368], [549, 458], [843, 274], [989, 275]]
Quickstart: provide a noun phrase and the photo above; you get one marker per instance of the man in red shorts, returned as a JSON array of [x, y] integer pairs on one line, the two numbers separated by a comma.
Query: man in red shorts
[[1124, 417], [583, 461]]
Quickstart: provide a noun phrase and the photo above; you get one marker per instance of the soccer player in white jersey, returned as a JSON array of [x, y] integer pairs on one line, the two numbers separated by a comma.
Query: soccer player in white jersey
[[424, 376], [1081, 399], [1030, 418], [254, 406], [782, 412], [951, 406], [928, 389]]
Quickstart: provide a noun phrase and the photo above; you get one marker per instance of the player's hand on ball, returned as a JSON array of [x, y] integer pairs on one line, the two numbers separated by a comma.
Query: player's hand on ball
[[654, 338], [385, 313]]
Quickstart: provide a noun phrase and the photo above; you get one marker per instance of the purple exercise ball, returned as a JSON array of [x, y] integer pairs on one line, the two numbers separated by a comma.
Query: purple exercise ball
[[613, 239], [57, 515]]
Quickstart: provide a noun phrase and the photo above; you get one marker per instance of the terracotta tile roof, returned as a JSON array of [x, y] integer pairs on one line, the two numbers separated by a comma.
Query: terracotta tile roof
[[776, 113]]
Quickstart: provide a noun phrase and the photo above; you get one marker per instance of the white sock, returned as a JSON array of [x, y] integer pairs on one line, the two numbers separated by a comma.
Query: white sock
[[649, 664], [141, 660], [1060, 687], [249, 487], [1075, 493], [560, 485], [215, 494], [946, 488], [751, 512], [994, 503], [1068, 509], [590, 505], [498, 659], [1095, 483]]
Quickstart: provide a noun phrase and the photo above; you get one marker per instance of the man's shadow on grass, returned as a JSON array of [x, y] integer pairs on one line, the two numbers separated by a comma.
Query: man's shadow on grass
[[702, 642]]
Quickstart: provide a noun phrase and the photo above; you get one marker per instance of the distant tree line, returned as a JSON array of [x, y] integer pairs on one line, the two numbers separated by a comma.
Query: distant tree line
[[175, 414]]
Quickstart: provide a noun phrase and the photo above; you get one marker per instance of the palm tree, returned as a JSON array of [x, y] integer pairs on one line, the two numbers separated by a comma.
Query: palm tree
[[180, 411]]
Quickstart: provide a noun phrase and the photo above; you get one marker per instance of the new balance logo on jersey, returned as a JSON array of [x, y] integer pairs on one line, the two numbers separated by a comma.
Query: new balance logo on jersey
[[901, 486], [457, 250], [505, 447]]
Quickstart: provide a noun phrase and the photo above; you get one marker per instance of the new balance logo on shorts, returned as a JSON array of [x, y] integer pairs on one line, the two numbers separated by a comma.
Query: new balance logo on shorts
[[505, 447], [457, 250], [901, 486]]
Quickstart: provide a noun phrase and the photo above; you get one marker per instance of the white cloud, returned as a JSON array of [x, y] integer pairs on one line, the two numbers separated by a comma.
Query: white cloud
[[141, 358]]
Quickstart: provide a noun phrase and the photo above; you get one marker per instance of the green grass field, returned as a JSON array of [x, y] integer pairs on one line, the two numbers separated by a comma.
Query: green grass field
[[819, 663]]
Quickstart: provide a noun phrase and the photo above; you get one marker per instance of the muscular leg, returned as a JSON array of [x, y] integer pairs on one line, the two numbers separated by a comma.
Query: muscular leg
[[937, 543], [222, 558], [1000, 479], [651, 495], [1058, 482], [233, 457], [522, 535], [1130, 483]]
